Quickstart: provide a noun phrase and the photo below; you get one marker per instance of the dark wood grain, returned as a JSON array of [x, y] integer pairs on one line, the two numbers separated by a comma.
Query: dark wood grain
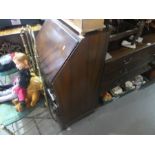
[[75, 73], [78, 83], [124, 34], [127, 63], [149, 38], [54, 45]]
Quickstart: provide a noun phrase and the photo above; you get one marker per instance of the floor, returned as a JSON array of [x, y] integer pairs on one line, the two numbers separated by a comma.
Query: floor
[[37, 122], [133, 114]]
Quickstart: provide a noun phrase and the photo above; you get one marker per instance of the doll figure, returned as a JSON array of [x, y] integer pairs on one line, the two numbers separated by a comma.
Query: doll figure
[[33, 92], [21, 83], [21, 61]]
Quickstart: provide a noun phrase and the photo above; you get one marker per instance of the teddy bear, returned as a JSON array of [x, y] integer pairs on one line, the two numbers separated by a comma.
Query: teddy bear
[[33, 93], [106, 97]]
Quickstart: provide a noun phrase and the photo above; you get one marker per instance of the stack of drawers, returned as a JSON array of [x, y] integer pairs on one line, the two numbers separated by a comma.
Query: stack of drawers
[[124, 66]]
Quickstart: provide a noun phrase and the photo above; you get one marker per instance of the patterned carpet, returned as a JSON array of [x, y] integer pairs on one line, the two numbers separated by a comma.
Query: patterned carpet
[[8, 113]]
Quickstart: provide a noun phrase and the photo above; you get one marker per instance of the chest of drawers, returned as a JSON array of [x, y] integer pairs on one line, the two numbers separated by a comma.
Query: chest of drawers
[[127, 63]]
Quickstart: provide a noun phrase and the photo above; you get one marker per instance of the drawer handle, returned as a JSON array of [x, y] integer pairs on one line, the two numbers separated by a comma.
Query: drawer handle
[[127, 61], [53, 99], [123, 71]]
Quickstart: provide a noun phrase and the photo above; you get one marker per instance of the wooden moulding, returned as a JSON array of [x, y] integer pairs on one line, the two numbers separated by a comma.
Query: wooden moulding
[[17, 30], [83, 26]]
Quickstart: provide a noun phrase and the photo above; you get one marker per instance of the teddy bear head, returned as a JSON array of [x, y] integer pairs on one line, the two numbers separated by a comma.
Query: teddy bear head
[[35, 84]]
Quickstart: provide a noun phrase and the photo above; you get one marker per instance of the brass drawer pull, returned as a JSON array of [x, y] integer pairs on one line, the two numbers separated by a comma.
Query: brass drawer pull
[[127, 61], [123, 71]]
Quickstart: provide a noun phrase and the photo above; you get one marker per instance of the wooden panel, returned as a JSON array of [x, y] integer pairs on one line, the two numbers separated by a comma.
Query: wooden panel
[[115, 37], [77, 85], [118, 80], [127, 67], [54, 45], [129, 60], [149, 38], [123, 52]]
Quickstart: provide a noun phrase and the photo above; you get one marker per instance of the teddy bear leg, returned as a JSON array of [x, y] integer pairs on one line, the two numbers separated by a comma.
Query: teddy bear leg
[[28, 102], [35, 99], [21, 106]]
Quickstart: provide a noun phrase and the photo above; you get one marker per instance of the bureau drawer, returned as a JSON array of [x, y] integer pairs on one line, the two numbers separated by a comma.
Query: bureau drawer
[[138, 59], [134, 60], [109, 83], [123, 69]]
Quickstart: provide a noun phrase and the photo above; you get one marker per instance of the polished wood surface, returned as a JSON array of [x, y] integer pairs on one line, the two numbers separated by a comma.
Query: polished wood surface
[[54, 45], [123, 52], [77, 86], [126, 63], [75, 73]]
